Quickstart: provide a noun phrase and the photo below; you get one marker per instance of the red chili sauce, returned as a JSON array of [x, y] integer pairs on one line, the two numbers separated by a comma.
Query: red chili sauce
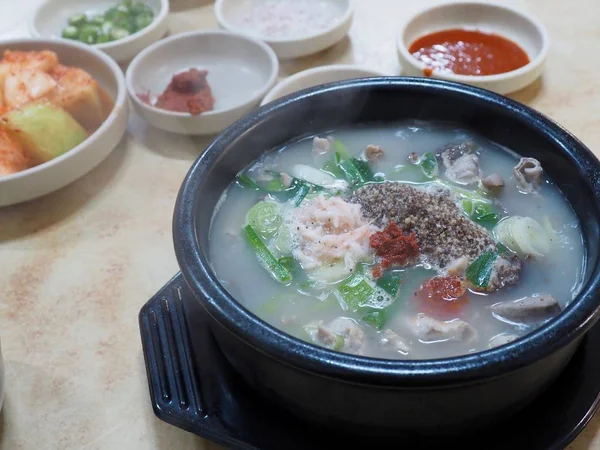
[[466, 52], [394, 247]]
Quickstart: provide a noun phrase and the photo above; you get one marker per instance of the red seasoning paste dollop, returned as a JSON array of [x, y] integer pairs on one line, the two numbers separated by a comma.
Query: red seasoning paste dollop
[[394, 247], [466, 52], [187, 92]]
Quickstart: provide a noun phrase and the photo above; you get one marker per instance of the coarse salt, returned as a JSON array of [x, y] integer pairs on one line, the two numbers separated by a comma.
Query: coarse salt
[[288, 18]]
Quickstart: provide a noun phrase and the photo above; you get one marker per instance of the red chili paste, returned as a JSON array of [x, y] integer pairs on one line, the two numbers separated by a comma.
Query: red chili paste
[[394, 247]]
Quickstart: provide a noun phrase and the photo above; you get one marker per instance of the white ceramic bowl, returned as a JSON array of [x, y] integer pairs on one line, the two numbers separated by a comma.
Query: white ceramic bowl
[[70, 166], [240, 72], [51, 16], [228, 14], [508, 22], [316, 76]]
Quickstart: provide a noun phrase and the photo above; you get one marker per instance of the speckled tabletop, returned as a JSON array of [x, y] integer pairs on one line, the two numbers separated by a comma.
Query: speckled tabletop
[[77, 265]]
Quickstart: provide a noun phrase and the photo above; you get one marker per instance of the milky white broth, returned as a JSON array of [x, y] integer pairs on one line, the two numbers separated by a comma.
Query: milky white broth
[[558, 274]]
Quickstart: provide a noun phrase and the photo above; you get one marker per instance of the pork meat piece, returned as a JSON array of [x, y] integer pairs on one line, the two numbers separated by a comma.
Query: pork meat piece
[[373, 152], [342, 334], [493, 182], [428, 329], [392, 341], [528, 174], [536, 308]]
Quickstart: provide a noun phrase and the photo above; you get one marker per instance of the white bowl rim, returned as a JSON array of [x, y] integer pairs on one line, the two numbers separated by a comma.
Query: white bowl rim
[[336, 24], [308, 73], [119, 102], [468, 79], [158, 20], [163, 42]]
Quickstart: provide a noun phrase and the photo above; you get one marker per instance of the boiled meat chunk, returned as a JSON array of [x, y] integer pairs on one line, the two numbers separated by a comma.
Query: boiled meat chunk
[[536, 308], [392, 341], [528, 174], [342, 334], [428, 329]]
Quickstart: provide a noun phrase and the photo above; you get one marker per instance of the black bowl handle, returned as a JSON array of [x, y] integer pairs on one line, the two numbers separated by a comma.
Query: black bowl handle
[[174, 389]]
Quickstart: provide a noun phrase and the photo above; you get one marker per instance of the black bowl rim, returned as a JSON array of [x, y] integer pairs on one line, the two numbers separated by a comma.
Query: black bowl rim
[[571, 324]]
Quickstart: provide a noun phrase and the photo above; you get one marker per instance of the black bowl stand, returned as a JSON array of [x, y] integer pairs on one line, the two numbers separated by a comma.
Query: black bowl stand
[[193, 387]]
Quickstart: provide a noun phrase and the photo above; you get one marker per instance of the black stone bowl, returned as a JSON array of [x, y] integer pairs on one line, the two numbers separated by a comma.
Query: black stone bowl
[[376, 396]]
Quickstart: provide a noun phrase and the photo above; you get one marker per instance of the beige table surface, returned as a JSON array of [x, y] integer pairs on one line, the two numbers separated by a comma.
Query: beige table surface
[[77, 265]]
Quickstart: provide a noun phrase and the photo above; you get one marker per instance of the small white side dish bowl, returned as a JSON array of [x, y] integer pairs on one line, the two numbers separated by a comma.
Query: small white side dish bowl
[[63, 170], [240, 72], [508, 22], [230, 15], [319, 75], [51, 16]]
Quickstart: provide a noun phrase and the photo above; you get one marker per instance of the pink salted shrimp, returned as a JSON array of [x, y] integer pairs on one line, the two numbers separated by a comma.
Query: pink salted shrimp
[[330, 231]]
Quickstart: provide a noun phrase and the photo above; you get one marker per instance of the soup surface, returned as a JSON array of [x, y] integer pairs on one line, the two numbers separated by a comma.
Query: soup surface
[[417, 241]]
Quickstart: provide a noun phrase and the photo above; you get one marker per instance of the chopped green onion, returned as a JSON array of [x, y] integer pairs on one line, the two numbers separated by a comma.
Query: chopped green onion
[[265, 218], [142, 21], [88, 34], [357, 171], [97, 20], [139, 8], [245, 181], [119, 33], [341, 152], [480, 270], [103, 37], [300, 190], [77, 20], [266, 258], [355, 291], [70, 32], [429, 165], [288, 262], [390, 283], [377, 318]]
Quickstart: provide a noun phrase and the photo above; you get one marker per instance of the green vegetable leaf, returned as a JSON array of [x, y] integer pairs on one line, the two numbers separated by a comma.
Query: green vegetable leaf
[[480, 270], [482, 213], [265, 257], [429, 165], [341, 151], [377, 318], [333, 169], [245, 181]]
